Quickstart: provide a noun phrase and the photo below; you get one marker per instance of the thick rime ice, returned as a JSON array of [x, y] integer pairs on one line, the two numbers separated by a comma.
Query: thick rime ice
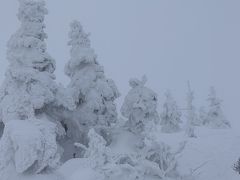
[[97, 152], [170, 116], [30, 145], [215, 117], [27, 91], [29, 84], [140, 108], [93, 93]]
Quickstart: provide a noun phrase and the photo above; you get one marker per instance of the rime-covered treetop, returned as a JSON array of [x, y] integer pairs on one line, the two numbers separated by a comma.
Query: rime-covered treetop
[[32, 10], [139, 97], [81, 51], [27, 47], [77, 36]]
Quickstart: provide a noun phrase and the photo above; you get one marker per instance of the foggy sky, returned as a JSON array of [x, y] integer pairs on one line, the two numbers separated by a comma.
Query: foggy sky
[[169, 41]]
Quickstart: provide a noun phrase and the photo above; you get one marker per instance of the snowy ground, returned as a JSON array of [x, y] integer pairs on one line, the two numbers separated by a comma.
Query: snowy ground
[[212, 155]]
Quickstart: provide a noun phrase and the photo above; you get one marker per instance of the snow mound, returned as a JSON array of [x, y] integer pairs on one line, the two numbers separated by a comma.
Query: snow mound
[[210, 156], [76, 169]]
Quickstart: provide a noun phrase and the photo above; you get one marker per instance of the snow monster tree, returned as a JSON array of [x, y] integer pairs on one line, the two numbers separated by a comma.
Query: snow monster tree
[[140, 108], [29, 141], [93, 93]]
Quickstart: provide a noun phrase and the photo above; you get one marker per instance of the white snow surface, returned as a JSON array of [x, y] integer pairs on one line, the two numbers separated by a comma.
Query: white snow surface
[[29, 146], [211, 156]]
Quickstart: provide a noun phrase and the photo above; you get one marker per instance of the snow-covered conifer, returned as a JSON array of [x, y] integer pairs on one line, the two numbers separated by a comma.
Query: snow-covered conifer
[[170, 116], [192, 118], [140, 108], [215, 117], [27, 92], [93, 93], [202, 115], [29, 85]]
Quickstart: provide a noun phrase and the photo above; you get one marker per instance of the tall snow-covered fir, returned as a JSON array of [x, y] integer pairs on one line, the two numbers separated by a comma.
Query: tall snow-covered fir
[[93, 93], [28, 89], [29, 85], [215, 117], [140, 108], [170, 116]]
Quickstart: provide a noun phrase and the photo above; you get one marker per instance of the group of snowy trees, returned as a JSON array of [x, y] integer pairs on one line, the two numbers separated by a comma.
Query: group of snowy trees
[[171, 115], [45, 123]]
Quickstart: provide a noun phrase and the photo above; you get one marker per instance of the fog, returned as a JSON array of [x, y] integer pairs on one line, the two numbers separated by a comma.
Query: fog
[[169, 41]]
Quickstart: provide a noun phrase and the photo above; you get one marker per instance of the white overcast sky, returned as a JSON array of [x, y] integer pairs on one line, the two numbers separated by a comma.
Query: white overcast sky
[[171, 41]]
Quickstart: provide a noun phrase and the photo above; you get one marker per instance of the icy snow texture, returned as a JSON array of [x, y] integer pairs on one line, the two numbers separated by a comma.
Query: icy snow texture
[[140, 108], [30, 144], [97, 152], [170, 116]]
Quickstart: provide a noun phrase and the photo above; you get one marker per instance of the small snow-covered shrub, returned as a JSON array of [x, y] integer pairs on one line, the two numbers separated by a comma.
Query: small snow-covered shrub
[[163, 161]]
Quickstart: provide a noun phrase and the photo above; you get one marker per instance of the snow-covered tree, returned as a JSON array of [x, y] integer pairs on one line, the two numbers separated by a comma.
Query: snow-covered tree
[[140, 108], [215, 117], [93, 93], [170, 116], [29, 84], [202, 115], [192, 118], [29, 90]]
